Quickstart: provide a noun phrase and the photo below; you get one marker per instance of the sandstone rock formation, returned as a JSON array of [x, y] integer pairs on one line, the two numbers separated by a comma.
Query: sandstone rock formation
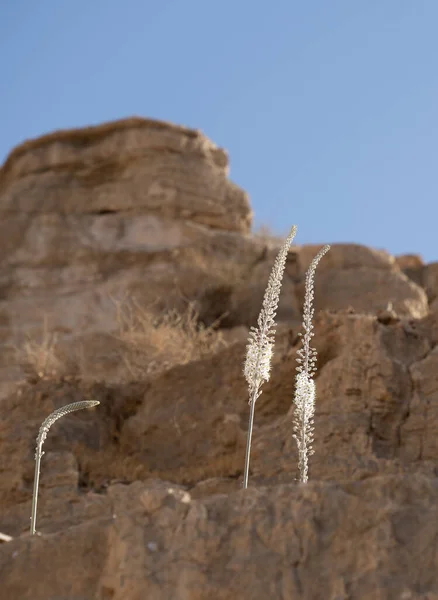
[[134, 164], [134, 207], [141, 497]]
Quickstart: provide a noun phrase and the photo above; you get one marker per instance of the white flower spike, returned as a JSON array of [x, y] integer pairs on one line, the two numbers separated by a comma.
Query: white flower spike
[[305, 391], [261, 341], [42, 434]]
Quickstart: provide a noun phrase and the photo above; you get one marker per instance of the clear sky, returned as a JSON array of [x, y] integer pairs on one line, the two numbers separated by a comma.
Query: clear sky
[[328, 108]]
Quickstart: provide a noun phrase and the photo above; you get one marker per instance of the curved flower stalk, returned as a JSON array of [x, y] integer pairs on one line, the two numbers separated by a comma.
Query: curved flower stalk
[[261, 341], [42, 434], [305, 392]]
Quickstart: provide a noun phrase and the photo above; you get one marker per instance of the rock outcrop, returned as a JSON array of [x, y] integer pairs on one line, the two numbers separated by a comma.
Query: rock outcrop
[[366, 539], [140, 497], [134, 207], [138, 165]]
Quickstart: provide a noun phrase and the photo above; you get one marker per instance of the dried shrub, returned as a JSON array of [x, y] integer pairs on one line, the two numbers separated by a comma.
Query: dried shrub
[[152, 343], [39, 358]]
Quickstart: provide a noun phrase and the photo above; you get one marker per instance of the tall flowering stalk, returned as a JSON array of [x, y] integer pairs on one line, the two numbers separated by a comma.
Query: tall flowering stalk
[[261, 341], [42, 434], [305, 391]]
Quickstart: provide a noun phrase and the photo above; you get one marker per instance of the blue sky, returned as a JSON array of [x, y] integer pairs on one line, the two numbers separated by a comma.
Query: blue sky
[[328, 108]]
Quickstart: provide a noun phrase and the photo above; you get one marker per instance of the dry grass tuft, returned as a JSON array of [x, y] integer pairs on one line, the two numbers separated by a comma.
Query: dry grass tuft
[[148, 342], [39, 358], [152, 343]]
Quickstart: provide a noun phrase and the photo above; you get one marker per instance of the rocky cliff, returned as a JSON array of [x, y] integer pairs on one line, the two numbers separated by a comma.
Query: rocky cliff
[[141, 497]]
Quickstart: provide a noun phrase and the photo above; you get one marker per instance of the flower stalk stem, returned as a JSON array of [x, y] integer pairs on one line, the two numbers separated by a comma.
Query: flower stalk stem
[[248, 442]]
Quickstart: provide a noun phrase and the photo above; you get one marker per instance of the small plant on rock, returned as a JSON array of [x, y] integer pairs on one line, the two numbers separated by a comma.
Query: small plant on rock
[[259, 355], [261, 341], [42, 434], [305, 391]]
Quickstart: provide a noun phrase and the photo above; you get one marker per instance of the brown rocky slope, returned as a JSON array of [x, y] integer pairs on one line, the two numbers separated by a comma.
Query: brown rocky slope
[[141, 497]]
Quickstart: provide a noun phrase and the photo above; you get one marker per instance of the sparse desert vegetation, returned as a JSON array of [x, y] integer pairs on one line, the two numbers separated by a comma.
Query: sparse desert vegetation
[[142, 497], [152, 343]]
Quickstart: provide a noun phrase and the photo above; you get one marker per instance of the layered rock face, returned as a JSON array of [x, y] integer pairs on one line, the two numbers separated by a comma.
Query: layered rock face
[[90, 215], [141, 497], [136, 165]]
